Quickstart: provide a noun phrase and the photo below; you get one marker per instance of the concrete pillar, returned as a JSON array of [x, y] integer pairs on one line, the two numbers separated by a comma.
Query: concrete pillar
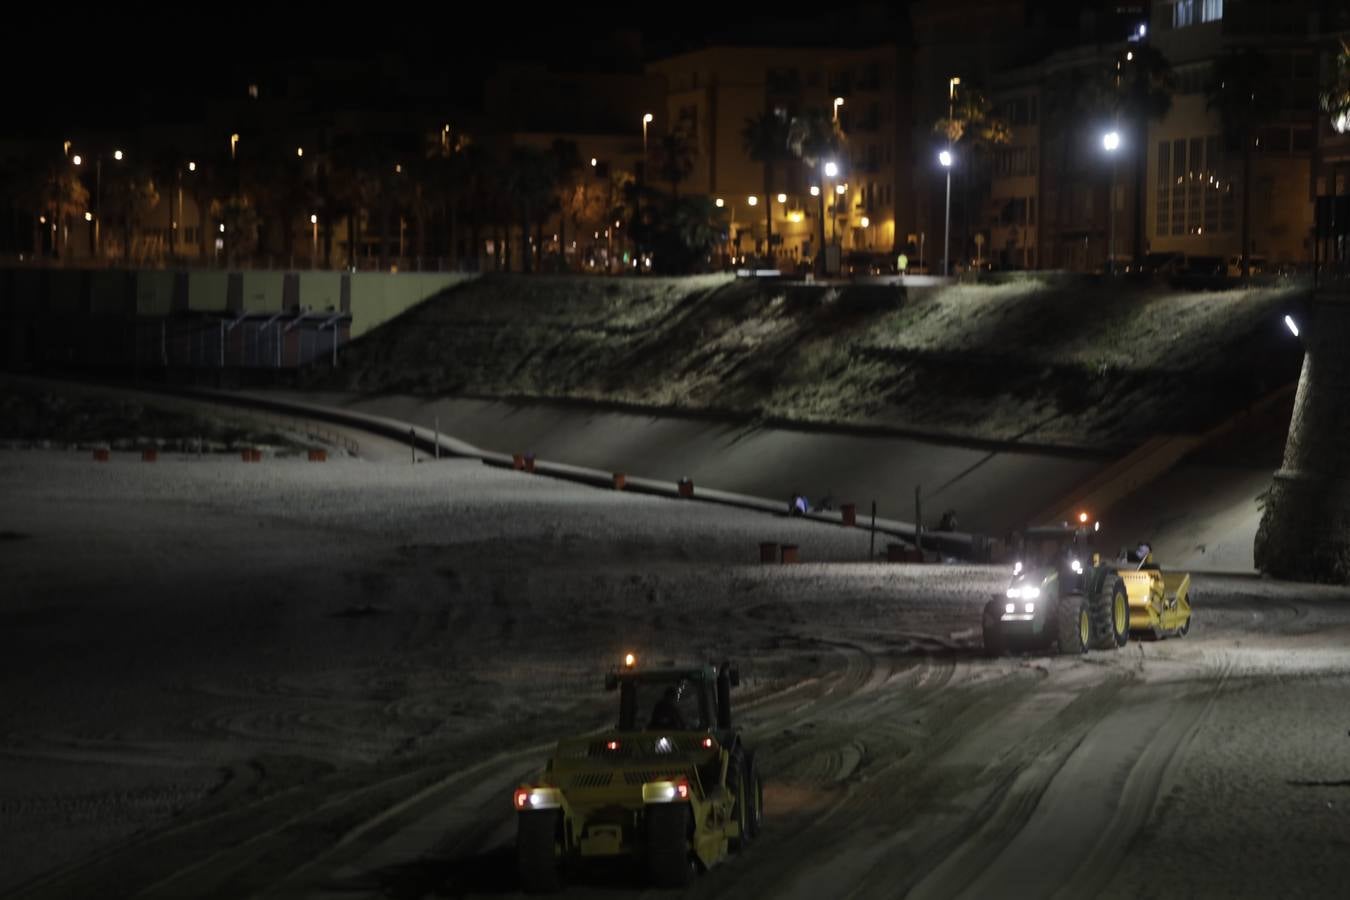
[[1305, 528]]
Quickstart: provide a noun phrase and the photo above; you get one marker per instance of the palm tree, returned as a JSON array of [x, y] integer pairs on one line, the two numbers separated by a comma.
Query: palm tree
[[530, 183], [765, 139], [566, 169], [672, 158], [974, 130], [49, 186], [1335, 99], [1142, 89], [353, 184], [1242, 93], [813, 137], [131, 194]]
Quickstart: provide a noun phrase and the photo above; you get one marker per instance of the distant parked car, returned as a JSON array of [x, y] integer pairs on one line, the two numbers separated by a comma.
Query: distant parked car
[[859, 263], [1256, 265]]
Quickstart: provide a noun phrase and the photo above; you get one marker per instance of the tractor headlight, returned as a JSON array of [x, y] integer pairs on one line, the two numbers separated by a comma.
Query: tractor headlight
[[1017, 568], [1014, 593], [1029, 607], [1010, 608], [666, 791], [537, 798], [1028, 592], [1077, 567]]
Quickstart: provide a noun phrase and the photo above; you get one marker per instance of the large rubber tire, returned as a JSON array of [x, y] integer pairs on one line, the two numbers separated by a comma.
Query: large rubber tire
[[669, 861], [1073, 625], [1109, 610], [536, 851], [744, 789], [994, 642], [756, 795]]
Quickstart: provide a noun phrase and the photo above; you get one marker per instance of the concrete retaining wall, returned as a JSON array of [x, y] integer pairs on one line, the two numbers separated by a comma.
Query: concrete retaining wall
[[371, 297]]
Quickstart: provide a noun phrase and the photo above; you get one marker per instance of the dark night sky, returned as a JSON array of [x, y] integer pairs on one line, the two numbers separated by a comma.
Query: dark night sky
[[95, 63]]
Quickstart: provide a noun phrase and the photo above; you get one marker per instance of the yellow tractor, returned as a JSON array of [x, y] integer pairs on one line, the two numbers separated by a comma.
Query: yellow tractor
[[1064, 596], [672, 785]]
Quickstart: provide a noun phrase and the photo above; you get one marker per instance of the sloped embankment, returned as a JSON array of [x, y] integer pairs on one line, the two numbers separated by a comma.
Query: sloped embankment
[[1047, 361]]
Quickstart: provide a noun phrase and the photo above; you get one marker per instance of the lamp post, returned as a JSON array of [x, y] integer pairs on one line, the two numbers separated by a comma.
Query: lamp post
[[838, 102], [1111, 143], [946, 159], [314, 252], [646, 120]]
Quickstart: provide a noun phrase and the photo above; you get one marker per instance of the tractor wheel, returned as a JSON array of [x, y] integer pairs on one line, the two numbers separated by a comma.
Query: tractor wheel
[[1110, 614], [536, 851], [756, 788], [743, 788], [1073, 625], [669, 862], [994, 642]]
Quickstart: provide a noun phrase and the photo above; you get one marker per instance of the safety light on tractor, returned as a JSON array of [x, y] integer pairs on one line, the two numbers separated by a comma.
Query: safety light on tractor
[[612, 746], [528, 798], [673, 791], [1083, 517], [629, 660]]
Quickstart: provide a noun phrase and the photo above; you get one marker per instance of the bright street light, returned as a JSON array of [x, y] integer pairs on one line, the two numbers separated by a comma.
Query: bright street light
[[815, 190], [1111, 143], [299, 151], [840, 189], [117, 155], [647, 119], [89, 217], [831, 170], [752, 200], [593, 162], [719, 203], [782, 198], [945, 157], [76, 159], [838, 102], [1291, 325], [866, 221], [192, 167], [313, 219]]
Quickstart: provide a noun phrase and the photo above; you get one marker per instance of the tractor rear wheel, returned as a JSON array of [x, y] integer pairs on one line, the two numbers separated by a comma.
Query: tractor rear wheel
[[536, 851], [1073, 625], [1110, 614], [756, 795], [743, 788], [668, 859]]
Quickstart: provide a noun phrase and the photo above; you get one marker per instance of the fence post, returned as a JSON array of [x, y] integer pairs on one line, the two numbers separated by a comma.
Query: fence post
[[918, 521]]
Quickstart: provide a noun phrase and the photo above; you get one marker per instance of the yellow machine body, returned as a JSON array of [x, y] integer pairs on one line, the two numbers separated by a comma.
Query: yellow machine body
[[602, 799], [1159, 602]]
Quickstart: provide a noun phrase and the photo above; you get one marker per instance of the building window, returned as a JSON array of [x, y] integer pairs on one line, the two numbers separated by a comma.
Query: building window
[[1212, 11], [1161, 221], [1178, 187], [1195, 187], [1209, 184]]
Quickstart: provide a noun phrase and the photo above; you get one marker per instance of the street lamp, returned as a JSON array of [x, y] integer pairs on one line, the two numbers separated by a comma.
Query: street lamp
[[831, 169], [1111, 143], [646, 120], [77, 159], [299, 152], [782, 198], [117, 155], [946, 159], [752, 200], [314, 254], [192, 167], [234, 144], [719, 203], [815, 190], [838, 102]]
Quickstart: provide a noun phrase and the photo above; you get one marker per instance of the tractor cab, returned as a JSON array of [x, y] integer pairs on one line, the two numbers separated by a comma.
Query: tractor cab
[[673, 699], [1062, 552]]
